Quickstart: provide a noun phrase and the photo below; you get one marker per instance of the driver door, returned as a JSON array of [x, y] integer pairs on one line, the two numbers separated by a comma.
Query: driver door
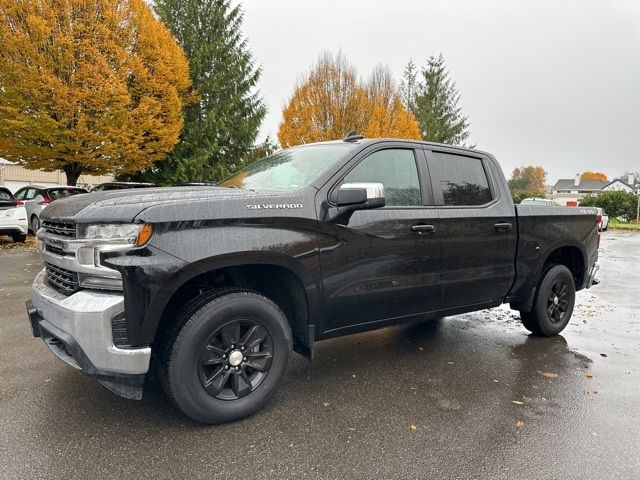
[[379, 265]]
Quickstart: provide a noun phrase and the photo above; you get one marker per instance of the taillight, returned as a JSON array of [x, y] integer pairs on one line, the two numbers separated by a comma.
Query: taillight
[[598, 218], [19, 203], [45, 201]]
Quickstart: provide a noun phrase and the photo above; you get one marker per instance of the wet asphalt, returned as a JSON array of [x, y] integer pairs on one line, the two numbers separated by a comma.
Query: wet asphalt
[[465, 397]]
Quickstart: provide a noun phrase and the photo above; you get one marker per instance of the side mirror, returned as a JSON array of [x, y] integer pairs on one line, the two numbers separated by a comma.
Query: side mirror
[[360, 196]]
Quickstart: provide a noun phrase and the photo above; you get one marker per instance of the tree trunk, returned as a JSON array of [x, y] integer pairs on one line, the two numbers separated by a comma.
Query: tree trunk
[[73, 171]]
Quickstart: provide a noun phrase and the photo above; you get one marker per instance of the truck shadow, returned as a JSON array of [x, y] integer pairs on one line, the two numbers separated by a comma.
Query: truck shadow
[[436, 374]]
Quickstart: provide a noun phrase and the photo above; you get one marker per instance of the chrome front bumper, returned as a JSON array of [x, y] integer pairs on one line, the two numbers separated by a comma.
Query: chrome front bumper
[[78, 330]]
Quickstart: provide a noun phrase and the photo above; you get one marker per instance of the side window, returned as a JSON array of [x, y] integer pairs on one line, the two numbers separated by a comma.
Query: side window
[[26, 194], [462, 180], [396, 169]]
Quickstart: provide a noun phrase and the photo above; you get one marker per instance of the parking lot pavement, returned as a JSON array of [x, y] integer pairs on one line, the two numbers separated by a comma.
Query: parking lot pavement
[[471, 396]]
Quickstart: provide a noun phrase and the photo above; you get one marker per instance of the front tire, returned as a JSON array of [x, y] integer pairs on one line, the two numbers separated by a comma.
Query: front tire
[[18, 237], [226, 356], [35, 224], [553, 302]]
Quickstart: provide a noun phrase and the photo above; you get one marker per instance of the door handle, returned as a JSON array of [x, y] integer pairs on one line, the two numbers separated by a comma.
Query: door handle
[[422, 229], [503, 227]]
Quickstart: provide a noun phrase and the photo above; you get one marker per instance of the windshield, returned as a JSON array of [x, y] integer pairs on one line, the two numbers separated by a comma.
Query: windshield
[[289, 169]]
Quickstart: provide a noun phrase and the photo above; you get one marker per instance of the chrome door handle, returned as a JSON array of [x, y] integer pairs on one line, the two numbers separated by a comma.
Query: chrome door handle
[[503, 227], [421, 229]]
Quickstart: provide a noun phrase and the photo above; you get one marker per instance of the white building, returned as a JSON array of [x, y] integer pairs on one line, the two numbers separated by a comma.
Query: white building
[[569, 191], [15, 177], [630, 185]]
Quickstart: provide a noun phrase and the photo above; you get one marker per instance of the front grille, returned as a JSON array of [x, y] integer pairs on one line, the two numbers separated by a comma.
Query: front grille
[[56, 250], [62, 279], [60, 228]]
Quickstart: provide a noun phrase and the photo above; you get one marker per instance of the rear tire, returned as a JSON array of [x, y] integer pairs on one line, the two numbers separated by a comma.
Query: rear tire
[[553, 302], [18, 237], [226, 356]]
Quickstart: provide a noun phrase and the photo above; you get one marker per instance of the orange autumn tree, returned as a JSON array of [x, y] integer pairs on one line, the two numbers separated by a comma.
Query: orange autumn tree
[[388, 116], [594, 176], [330, 101], [94, 86]]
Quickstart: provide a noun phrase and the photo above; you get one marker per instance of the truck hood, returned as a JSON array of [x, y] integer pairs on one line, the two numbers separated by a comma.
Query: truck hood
[[155, 204]]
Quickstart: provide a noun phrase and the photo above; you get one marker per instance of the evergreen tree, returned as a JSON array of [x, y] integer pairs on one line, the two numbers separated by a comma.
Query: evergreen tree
[[434, 102], [409, 85], [221, 128]]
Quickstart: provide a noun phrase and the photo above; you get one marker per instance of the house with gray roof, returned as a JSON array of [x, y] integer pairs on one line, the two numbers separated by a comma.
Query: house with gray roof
[[620, 185], [569, 191]]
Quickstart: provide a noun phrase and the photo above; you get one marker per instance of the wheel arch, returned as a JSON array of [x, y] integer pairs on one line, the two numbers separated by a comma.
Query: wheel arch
[[280, 279], [572, 257]]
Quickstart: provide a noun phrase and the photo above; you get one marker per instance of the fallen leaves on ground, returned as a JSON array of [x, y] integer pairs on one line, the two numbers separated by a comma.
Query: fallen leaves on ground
[[414, 428], [6, 243], [517, 402], [326, 404], [550, 374], [519, 424], [589, 375]]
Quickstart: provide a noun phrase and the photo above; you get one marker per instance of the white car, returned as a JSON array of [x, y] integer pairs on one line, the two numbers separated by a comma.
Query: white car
[[603, 224], [540, 201], [13, 216]]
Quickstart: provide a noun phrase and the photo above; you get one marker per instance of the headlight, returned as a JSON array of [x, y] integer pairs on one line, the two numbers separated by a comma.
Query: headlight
[[127, 233], [120, 231]]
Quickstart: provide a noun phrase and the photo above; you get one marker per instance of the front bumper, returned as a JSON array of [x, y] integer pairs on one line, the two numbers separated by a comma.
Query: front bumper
[[77, 329]]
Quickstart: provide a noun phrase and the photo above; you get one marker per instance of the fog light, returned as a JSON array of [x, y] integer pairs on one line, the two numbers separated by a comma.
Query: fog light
[[109, 283], [85, 255]]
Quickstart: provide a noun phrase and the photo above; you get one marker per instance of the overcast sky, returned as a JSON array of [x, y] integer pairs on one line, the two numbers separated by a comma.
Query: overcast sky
[[550, 82]]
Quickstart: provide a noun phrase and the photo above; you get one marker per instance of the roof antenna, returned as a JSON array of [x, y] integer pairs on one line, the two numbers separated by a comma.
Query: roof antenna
[[353, 136]]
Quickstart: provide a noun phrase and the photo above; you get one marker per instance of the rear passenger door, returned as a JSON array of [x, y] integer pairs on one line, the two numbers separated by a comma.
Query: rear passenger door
[[476, 227]]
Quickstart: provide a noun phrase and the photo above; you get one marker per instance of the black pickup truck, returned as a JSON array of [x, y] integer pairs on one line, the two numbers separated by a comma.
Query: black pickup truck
[[216, 286]]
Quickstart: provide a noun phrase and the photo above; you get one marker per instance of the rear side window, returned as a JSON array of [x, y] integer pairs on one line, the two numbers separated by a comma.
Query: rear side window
[[6, 198], [462, 181], [396, 169], [58, 193]]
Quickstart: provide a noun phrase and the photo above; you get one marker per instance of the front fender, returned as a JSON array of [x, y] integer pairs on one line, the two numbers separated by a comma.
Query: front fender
[[182, 253]]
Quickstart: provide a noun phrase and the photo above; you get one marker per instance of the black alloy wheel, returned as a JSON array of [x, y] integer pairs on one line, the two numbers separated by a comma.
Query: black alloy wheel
[[558, 301], [235, 359]]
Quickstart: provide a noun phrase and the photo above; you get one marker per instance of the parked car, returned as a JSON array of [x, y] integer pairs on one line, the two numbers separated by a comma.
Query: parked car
[[220, 284], [36, 197], [121, 186], [13, 216], [540, 201], [603, 222]]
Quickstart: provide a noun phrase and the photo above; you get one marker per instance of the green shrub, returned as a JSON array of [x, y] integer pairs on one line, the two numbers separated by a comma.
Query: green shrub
[[519, 195], [616, 204]]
